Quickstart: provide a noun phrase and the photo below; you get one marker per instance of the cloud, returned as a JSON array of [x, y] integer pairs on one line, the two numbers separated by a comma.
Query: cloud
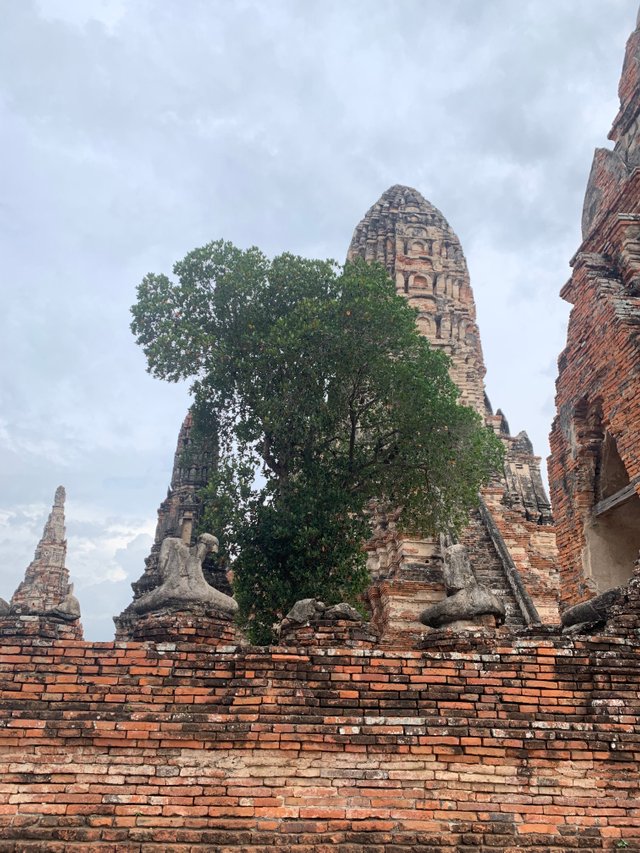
[[133, 130], [80, 13]]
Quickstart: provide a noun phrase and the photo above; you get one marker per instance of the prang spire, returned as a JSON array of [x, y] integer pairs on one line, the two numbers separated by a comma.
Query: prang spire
[[45, 590], [412, 239], [422, 254]]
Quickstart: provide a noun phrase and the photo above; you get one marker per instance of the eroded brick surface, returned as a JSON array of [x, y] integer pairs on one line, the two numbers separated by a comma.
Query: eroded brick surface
[[413, 240], [476, 743], [594, 439]]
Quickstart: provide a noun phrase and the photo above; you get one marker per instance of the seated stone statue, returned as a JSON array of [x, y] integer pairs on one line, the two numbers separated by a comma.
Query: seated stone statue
[[466, 599], [183, 582]]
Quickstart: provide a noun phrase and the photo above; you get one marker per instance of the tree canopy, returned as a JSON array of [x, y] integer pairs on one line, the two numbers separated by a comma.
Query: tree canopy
[[323, 397]]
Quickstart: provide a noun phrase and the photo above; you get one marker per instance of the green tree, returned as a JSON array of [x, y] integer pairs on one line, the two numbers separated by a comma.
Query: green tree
[[324, 398]]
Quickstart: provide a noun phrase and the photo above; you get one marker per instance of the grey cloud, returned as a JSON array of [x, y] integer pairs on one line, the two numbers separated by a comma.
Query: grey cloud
[[134, 130]]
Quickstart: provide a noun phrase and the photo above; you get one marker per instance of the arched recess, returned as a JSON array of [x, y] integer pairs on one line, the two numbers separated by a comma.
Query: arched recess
[[426, 326], [612, 525], [421, 282]]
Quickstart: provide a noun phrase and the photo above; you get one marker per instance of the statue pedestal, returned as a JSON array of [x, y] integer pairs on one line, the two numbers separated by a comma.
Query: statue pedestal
[[200, 625], [487, 621], [43, 627], [329, 633]]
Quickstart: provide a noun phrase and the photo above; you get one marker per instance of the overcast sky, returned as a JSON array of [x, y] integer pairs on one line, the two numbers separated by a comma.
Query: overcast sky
[[134, 130]]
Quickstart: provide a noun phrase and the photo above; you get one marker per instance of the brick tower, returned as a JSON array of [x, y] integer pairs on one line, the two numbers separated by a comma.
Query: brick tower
[[510, 538], [45, 600], [178, 516], [594, 467]]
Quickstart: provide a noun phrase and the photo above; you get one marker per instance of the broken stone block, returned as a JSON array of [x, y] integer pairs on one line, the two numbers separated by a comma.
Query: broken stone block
[[309, 610], [304, 611], [342, 611], [457, 570], [596, 610]]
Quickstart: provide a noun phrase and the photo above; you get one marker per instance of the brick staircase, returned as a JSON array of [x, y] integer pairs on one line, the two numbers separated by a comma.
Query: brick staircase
[[489, 570]]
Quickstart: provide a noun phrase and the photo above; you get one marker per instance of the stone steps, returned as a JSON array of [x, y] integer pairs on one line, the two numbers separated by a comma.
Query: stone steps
[[489, 570]]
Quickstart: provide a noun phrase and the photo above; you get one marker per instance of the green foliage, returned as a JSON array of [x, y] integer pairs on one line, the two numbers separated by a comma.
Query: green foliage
[[324, 398]]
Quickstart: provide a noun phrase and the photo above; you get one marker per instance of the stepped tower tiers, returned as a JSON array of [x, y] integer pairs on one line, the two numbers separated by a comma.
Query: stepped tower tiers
[[510, 539], [45, 597], [424, 257], [180, 512], [594, 467], [179, 516]]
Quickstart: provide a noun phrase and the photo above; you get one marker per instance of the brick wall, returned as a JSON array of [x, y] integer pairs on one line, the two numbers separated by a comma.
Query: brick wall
[[599, 369], [480, 743], [597, 387]]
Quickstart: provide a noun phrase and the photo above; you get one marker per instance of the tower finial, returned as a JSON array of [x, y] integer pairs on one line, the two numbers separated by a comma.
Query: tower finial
[[45, 590]]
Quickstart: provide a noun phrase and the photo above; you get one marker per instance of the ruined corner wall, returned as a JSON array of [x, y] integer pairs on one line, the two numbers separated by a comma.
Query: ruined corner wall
[[594, 468], [596, 398], [485, 743]]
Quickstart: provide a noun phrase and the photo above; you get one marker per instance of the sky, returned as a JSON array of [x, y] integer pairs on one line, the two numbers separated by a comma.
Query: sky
[[132, 131]]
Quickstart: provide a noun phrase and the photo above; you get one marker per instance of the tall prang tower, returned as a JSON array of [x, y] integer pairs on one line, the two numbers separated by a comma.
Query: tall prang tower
[[423, 255], [510, 538], [44, 603]]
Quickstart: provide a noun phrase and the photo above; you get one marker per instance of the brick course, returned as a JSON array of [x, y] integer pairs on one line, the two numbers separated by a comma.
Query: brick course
[[478, 742]]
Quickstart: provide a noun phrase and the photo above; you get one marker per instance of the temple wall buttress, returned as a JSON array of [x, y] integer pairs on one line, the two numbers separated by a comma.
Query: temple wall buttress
[[594, 467]]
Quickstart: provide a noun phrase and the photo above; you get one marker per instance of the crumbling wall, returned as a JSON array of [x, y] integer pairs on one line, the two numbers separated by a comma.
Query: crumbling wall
[[475, 743], [596, 398], [594, 435]]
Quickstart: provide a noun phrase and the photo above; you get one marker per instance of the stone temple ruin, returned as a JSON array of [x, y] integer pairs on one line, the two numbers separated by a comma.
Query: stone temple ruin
[[492, 700], [510, 539], [45, 595]]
